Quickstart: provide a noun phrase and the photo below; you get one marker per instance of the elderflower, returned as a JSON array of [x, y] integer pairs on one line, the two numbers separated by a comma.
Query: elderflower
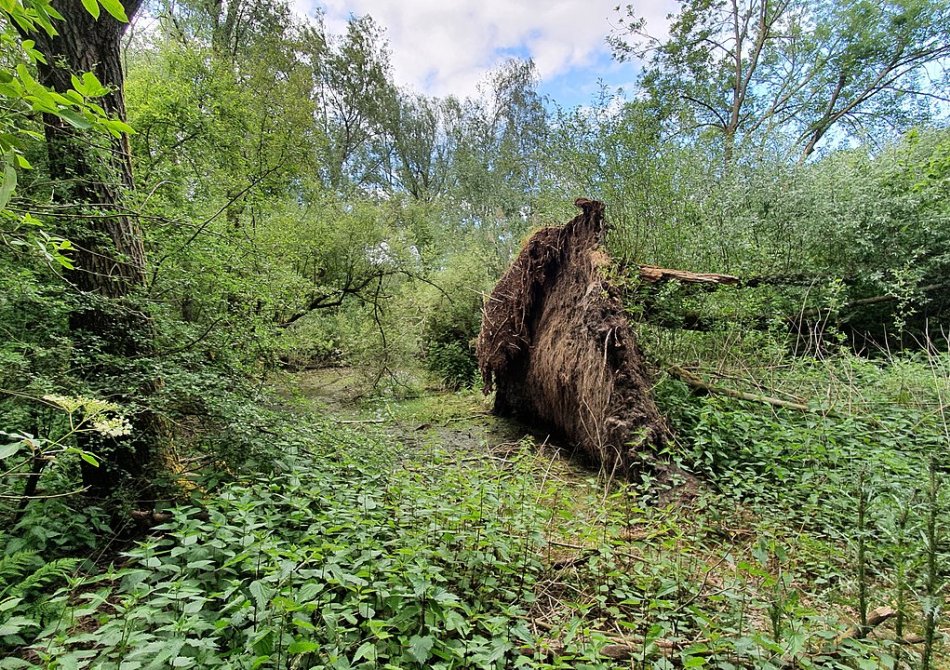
[[112, 427], [64, 402]]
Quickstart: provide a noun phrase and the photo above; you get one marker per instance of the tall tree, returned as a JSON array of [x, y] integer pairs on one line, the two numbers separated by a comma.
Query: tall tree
[[421, 147], [91, 177], [355, 97], [789, 70], [502, 134]]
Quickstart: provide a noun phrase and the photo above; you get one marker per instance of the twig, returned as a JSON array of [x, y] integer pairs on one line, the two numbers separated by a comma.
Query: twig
[[875, 618]]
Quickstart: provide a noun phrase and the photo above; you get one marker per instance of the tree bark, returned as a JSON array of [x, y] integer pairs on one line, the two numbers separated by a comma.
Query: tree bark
[[91, 174]]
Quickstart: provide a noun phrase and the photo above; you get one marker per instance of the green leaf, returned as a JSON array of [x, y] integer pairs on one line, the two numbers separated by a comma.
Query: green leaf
[[115, 8], [367, 650], [15, 624], [116, 127], [91, 87], [7, 450], [9, 604], [261, 594], [89, 458], [75, 119], [420, 647], [92, 7], [9, 183], [302, 647]]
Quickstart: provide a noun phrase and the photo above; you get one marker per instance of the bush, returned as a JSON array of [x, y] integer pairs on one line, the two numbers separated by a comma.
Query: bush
[[453, 320]]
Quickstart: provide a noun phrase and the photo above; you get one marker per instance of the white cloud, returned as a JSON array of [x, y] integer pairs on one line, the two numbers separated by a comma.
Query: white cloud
[[447, 46]]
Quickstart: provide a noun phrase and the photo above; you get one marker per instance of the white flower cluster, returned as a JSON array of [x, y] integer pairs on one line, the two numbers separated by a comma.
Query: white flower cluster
[[94, 411], [91, 406], [112, 427]]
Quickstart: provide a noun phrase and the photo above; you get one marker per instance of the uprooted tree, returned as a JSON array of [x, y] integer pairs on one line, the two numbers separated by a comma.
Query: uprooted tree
[[557, 348]]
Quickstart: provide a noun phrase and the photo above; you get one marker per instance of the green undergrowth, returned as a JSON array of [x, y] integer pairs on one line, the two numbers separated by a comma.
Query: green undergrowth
[[424, 533], [352, 554]]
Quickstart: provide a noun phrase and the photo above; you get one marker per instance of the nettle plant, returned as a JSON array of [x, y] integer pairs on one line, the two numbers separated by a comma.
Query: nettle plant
[[353, 554]]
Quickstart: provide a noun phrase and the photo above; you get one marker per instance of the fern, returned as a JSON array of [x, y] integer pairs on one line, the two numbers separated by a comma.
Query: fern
[[13, 567], [25, 586], [45, 575]]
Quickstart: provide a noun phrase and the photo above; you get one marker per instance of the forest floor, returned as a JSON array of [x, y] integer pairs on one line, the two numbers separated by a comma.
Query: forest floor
[[681, 572], [416, 529]]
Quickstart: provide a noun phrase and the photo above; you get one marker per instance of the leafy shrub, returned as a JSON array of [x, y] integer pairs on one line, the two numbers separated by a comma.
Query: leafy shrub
[[453, 319], [455, 361]]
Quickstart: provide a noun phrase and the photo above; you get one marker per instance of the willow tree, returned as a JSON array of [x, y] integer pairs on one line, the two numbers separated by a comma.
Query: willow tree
[[92, 176], [791, 71]]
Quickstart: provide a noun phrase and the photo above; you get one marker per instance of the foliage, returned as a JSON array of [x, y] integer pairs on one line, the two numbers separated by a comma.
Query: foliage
[[299, 208], [788, 73], [341, 558], [453, 318]]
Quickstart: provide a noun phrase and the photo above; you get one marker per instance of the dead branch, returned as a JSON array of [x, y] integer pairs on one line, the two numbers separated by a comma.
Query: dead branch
[[695, 382], [875, 618], [653, 275]]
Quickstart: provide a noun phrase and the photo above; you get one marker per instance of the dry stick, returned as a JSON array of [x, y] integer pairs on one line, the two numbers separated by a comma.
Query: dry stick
[[875, 618], [695, 382]]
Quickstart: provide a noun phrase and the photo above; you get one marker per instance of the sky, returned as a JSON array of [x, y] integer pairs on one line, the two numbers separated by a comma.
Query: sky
[[442, 47]]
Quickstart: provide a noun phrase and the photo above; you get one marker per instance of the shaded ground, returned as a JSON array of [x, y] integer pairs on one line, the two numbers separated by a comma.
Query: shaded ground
[[459, 422]]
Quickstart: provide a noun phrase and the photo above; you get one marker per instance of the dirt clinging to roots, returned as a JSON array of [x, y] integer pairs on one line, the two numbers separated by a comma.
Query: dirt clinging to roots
[[558, 350]]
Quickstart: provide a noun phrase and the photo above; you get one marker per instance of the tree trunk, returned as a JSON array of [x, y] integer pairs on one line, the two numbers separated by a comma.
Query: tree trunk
[[91, 174]]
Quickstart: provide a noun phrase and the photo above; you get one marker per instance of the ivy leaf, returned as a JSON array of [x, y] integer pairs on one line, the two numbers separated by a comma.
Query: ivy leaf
[[420, 647]]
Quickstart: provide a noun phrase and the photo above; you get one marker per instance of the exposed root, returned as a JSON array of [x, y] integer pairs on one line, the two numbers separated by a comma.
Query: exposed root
[[557, 347]]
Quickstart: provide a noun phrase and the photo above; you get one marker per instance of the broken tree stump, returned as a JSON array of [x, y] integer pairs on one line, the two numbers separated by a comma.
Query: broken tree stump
[[556, 346]]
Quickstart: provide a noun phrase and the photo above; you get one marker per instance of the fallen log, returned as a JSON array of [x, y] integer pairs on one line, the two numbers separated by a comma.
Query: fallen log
[[556, 346], [654, 275]]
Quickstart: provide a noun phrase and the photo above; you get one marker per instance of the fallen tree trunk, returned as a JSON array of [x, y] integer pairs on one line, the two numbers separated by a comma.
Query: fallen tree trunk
[[556, 346], [697, 383], [654, 275]]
